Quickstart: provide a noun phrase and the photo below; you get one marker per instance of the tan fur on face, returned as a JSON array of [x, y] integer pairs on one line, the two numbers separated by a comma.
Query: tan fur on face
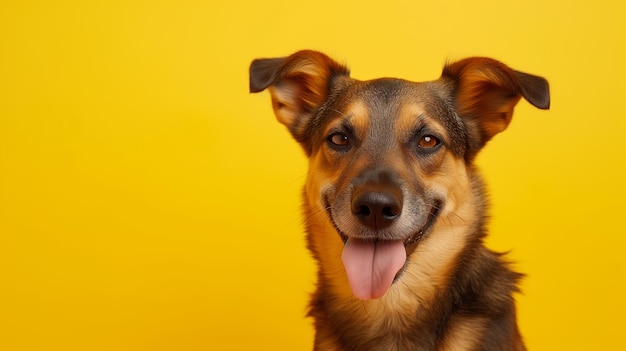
[[324, 165], [356, 115], [412, 116]]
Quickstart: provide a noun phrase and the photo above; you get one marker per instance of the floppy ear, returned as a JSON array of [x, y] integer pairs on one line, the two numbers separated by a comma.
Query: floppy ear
[[299, 85], [486, 91]]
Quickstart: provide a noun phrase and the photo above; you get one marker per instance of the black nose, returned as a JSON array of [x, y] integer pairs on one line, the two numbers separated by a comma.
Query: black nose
[[377, 209]]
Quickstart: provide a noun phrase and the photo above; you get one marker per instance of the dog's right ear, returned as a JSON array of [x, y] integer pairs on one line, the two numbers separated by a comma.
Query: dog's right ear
[[298, 84]]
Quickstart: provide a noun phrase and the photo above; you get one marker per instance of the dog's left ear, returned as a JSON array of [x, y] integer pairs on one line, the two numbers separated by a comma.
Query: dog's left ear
[[299, 85], [486, 92]]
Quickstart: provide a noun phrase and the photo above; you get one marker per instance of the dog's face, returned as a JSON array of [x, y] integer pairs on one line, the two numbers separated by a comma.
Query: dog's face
[[381, 157], [386, 159], [389, 157]]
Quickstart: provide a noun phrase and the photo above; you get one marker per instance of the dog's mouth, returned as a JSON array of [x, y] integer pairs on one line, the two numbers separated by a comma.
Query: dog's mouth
[[372, 265], [410, 242]]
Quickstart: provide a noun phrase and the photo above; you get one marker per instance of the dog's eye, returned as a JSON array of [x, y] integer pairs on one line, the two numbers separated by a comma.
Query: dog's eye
[[338, 139], [428, 142]]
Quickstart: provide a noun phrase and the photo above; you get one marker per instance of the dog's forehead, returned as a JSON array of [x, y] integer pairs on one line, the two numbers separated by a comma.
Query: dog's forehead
[[387, 101], [391, 103]]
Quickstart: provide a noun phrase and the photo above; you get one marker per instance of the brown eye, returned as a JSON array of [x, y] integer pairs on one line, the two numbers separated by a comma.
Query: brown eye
[[339, 139], [428, 142]]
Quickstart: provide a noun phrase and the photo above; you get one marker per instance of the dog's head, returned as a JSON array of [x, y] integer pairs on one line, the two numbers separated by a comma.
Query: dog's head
[[388, 157]]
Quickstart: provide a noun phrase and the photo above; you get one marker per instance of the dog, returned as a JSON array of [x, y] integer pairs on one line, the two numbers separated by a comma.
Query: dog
[[394, 207]]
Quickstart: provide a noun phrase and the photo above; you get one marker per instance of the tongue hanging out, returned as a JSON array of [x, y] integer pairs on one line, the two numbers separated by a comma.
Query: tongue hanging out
[[372, 265]]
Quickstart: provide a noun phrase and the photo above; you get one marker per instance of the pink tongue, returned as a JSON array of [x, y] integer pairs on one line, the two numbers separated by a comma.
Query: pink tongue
[[371, 266]]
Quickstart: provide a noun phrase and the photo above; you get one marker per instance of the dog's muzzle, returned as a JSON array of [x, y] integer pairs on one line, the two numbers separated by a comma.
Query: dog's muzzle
[[380, 228]]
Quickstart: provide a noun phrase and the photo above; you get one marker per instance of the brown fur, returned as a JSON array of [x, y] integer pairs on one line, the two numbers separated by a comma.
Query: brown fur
[[376, 137]]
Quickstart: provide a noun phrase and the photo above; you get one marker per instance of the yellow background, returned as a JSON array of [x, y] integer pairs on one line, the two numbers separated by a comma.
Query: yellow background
[[148, 202]]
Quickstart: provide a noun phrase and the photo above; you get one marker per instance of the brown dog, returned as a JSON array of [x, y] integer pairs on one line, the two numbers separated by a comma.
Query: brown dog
[[394, 207]]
